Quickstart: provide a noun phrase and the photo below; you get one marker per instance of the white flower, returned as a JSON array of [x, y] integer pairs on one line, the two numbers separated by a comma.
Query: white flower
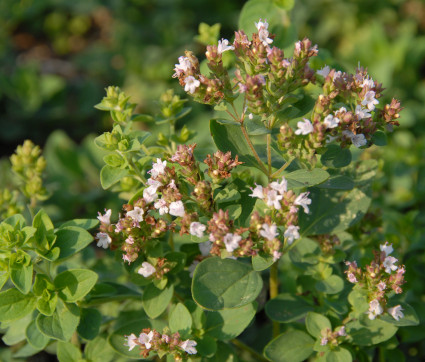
[[161, 205], [257, 192], [323, 341], [183, 66], [341, 110], [149, 194], [375, 309], [348, 134], [263, 33], [324, 71], [303, 201], [386, 248], [362, 112], [367, 82], [105, 219], [146, 269], [250, 116], [269, 231], [389, 264], [146, 339], [381, 286], [205, 248], [189, 346], [396, 312], [331, 121], [176, 208], [276, 255], [129, 240], [154, 183], [131, 341], [231, 241], [192, 267], [304, 128], [337, 75], [158, 167], [341, 332], [136, 214], [352, 278], [359, 140], [191, 83], [369, 100], [273, 199], [103, 240], [281, 187], [197, 229], [223, 45], [292, 233]]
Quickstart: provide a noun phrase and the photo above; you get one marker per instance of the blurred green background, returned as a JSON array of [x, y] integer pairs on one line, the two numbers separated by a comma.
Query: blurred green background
[[57, 56]]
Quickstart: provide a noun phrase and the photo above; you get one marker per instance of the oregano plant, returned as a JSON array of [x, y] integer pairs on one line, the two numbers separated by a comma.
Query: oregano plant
[[259, 241]]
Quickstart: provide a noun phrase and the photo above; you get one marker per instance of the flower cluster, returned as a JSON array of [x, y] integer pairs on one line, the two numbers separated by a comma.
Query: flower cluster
[[150, 340], [381, 277], [220, 165], [332, 338]]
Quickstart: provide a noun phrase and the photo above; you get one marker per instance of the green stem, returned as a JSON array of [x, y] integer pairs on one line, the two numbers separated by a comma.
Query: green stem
[[269, 153], [171, 241], [253, 352], [172, 131], [283, 168], [274, 291], [254, 152]]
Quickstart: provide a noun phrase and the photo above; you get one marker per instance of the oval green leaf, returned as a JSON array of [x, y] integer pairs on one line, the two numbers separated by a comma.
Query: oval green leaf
[[291, 346]]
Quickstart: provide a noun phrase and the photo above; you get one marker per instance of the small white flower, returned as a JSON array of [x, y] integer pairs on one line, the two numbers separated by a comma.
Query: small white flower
[[363, 113], [324, 71], [396, 312], [161, 205], [367, 82], [136, 214], [304, 128], [223, 45], [231, 241], [269, 232], [182, 67], [146, 269], [303, 201], [323, 341], [250, 116], [331, 121], [205, 248], [348, 134], [359, 140], [189, 346], [192, 267], [103, 240], [352, 278], [191, 83], [131, 341], [375, 309], [281, 187], [386, 248], [273, 199], [257, 191], [158, 168], [197, 229], [263, 33], [276, 255], [105, 219], [129, 240], [146, 339], [341, 110], [149, 194], [369, 100], [389, 264], [291, 233], [381, 286], [154, 183], [341, 332], [176, 208]]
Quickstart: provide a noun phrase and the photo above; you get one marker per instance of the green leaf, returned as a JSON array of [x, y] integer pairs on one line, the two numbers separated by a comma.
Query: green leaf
[[305, 252], [234, 211], [230, 323], [72, 239], [14, 332], [86, 224], [180, 320], [73, 285], [177, 259], [206, 346], [62, 324], [304, 178], [37, 339], [359, 301], [229, 137], [155, 301], [109, 176], [46, 304], [379, 138], [262, 262], [287, 308], [410, 317], [146, 118], [285, 4], [332, 285], [44, 236], [20, 268], [228, 194], [26, 351], [333, 211], [315, 323], [90, 322], [221, 284], [15, 305], [339, 355], [99, 350], [67, 352], [291, 346], [338, 182], [366, 332], [336, 157], [15, 220]]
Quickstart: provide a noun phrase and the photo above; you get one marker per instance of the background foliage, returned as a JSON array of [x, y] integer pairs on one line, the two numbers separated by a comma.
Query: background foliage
[[57, 56]]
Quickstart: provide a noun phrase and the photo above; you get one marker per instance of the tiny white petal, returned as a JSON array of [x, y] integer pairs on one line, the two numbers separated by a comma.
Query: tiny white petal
[[304, 128], [146, 269]]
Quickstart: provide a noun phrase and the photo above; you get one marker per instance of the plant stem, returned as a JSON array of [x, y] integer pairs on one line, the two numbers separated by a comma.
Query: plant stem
[[251, 146], [253, 352], [283, 168], [269, 153], [274, 291], [171, 241]]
